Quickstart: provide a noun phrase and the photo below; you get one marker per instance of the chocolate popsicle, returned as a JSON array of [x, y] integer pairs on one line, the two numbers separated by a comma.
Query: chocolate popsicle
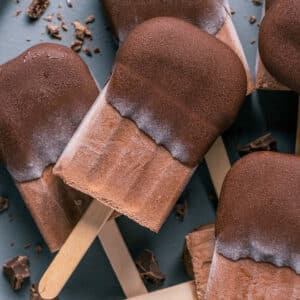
[[257, 253], [169, 97], [212, 16], [40, 109]]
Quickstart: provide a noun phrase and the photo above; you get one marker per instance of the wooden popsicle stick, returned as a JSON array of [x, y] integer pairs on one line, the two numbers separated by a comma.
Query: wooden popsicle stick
[[181, 291], [297, 148], [73, 250], [218, 164], [121, 260]]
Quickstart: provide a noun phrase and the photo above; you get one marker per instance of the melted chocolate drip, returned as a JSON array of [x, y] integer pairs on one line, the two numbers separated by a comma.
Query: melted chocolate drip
[[258, 215], [180, 85]]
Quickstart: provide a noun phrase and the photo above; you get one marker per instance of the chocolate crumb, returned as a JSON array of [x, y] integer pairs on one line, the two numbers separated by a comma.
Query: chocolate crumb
[[81, 31], [232, 11], [89, 19], [59, 16], [16, 271], [37, 7], [10, 217], [38, 248], [96, 50], [181, 210], [148, 268], [12, 244], [64, 26], [264, 143], [27, 245], [3, 204], [257, 2], [69, 3], [18, 12], [60, 5], [252, 42], [53, 31], [87, 51], [252, 20], [76, 45], [48, 18]]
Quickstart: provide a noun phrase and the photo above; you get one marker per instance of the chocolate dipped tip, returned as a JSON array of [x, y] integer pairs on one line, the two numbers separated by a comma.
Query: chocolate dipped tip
[[125, 15], [44, 94], [180, 85], [258, 214], [279, 42]]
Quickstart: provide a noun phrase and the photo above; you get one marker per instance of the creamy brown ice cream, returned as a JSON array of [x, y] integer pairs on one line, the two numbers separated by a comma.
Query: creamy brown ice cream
[[45, 92]]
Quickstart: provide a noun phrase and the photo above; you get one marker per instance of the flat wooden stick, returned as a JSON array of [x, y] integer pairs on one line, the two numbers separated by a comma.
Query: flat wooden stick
[[73, 250], [218, 164], [121, 260], [181, 291], [297, 148]]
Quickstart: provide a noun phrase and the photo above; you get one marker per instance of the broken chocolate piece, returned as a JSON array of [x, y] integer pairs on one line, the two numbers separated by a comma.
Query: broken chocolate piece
[[16, 271], [81, 31], [148, 267], [87, 51], [264, 143], [76, 45], [181, 210], [37, 7], [54, 31], [89, 19], [96, 50], [3, 204]]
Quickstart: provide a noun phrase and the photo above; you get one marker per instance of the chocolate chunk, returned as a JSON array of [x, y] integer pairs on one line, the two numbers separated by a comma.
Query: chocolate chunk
[[69, 3], [181, 210], [148, 267], [76, 45], [81, 31], [87, 51], [34, 293], [96, 50], [252, 20], [89, 19], [3, 204], [64, 26], [37, 7], [264, 143], [16, 271], [257, 2], [54, 31]]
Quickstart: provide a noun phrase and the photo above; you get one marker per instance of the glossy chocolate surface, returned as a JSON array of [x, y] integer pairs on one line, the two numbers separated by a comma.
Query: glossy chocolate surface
[[124, 15], [279, 42], [44, 94], [258, 214], [183, 90]]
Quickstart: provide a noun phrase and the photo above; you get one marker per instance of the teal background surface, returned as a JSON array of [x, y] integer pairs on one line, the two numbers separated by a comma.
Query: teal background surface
[[262, 112]]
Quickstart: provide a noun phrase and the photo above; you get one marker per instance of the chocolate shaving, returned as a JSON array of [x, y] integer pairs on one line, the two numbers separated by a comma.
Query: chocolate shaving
[[264, 143], [76, 45], [89, 19], [81, 31], [3, 204], [181, 210], [16, 271], [148, 268], [37, 7], [54, 31]]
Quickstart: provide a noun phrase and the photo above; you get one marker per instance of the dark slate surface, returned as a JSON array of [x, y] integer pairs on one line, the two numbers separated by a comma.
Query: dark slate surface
[[94, 279]]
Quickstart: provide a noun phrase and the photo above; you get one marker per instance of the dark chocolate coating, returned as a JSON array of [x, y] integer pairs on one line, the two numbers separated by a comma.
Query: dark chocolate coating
[[44, 94], [279, 42], [180, 85], [124, 15], [259, 209]]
